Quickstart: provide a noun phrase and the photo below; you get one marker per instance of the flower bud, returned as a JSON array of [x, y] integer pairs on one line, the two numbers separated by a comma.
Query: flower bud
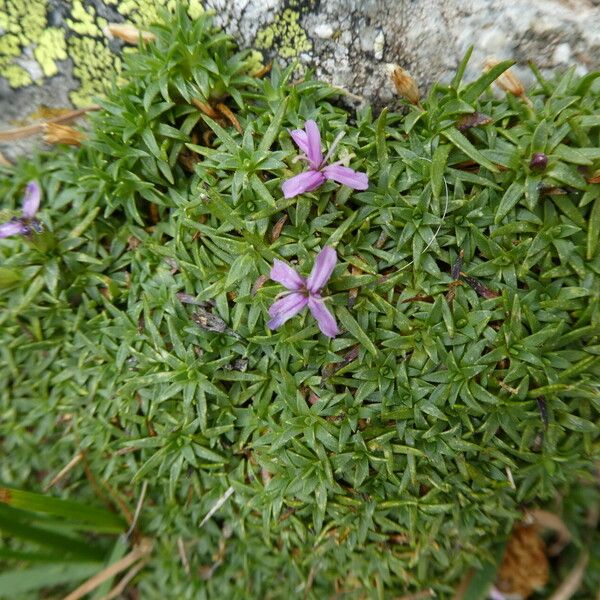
[[538, 162], [507, 81], [405, 85]]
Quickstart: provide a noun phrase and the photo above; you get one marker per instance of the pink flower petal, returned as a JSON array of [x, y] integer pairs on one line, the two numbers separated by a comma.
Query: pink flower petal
[[299, 136], [313, 137], [285, 308], [11, 228], [284, 274], [31, 201], [304, 182], [325, 319], [347, 176], [322, 269]]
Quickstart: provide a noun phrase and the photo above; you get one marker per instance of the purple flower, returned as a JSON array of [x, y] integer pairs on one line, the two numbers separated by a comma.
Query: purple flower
[[309, 141], [27, 221], [304, 292]]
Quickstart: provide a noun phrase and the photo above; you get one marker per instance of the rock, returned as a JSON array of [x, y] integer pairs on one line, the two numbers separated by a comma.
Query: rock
[[55, 51], [324, 31]]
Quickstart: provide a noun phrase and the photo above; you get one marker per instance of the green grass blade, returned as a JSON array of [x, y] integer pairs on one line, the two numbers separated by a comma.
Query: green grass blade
[[17, 583], [65, 545], [96, 518]]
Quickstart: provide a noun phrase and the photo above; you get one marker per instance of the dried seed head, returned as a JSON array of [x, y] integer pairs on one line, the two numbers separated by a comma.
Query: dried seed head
[[62, 134], [538, 162], [525, 565], [508, 81], [127, 33], [405, 85]]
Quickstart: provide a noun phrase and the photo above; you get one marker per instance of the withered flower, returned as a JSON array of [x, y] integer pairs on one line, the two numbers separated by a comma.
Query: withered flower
[[405, 85]]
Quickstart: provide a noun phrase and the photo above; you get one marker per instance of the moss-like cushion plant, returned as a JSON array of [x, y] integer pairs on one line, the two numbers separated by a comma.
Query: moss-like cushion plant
[[459, 384]]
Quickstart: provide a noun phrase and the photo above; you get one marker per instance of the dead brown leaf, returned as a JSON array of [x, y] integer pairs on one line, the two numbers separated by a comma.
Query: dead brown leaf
[[227, 112], [207, 109], [263, 70], [128, 33], [276, 232]]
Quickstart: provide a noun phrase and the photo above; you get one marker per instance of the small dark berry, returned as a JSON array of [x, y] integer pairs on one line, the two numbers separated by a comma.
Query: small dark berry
[[538, 162]]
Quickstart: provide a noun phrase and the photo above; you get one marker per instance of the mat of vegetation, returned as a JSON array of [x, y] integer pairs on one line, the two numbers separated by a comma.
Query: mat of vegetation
[[463, 386]]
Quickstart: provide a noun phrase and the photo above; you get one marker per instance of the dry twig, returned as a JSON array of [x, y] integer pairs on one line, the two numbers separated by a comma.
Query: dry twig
[[573, 580], [29, 130], [72, 463], [143, 549]]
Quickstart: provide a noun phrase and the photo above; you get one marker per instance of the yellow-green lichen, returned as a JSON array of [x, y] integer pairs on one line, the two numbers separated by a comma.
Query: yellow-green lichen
[[22, 23], [15, 75], [9, 49], [84, 21], [30, 48], [142, 12], [94, 65], [195, 9], [51, 47], [285, 35], [25, 19]]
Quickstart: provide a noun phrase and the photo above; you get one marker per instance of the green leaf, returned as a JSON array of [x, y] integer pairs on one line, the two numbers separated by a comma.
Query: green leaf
[[462, 143], [575, 423], [151, 143], [539, 140], [97, 519], [19, 524], [240, 267], [222, 135], [570, 155], [460, 71], [274, 127], [475, 89], [585, 83], [509, 200], [438, 165], [21, 583], [567, 175], [8, 276], [351, 325], [593, 233], [380, 141]]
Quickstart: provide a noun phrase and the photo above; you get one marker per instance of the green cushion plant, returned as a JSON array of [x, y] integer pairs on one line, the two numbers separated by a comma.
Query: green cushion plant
[[464, 383]]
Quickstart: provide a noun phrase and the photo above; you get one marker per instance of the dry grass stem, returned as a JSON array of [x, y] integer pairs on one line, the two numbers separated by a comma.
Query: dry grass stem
[[72, 463], [143, 549], [29, 130]]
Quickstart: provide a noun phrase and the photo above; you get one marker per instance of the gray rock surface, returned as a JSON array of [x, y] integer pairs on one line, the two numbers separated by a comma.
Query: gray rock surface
[[350, 43], [352, 40]]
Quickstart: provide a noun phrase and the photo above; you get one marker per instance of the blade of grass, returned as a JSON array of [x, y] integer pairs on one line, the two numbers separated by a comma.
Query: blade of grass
[[13, 524], [97, 518], [22, 582]]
